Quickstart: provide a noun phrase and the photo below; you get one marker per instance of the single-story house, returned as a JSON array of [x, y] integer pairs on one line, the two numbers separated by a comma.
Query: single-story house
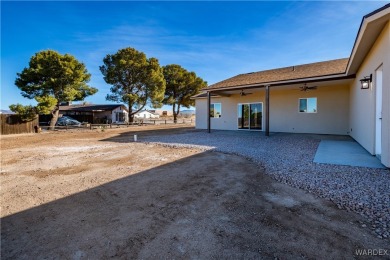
[[187, 112], [162, 112], [146, 114], [96, 114], [349, 96]]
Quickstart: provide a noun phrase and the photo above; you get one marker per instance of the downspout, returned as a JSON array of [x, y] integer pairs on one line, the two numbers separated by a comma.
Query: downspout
[[267, 110], [208, 111]]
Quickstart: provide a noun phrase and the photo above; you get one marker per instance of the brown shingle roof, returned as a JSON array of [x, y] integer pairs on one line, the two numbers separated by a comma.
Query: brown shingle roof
[[318, 69], [91, 107]]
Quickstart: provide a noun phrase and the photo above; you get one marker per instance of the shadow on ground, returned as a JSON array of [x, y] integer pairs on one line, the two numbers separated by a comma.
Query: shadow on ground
[[210, 205], [288, 158]]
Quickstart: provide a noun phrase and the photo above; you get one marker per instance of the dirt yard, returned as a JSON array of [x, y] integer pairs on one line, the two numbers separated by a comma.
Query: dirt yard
[[96, 195]]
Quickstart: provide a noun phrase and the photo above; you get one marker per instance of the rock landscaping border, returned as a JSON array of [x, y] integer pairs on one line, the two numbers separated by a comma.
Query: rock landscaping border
[[288, 158]]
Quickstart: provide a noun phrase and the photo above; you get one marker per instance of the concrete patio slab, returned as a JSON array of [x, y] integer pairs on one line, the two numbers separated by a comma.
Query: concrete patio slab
[[345, 153]]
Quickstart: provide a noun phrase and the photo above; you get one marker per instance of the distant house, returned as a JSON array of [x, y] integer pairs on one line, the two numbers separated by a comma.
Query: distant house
[[187, 112], [146, 114], [96, 114], [162, 112]]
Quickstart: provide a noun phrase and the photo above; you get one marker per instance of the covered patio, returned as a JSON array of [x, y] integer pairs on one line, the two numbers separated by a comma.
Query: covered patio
[[278, 98]]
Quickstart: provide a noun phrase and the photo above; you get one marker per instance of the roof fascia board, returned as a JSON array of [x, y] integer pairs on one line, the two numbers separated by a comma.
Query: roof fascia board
[[363, 25], [359, 36]]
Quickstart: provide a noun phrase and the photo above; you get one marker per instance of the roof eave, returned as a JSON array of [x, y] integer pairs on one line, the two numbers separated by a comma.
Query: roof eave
[[92, 108], [285, 82], [362, 45], [204, 95]]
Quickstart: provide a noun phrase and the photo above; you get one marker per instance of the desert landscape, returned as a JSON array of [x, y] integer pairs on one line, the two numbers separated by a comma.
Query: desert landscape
[[97, 194]]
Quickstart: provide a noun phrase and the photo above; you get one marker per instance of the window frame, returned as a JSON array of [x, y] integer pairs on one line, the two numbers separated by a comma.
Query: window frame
[[220, 112], [120, 115], [262, 116], [307, 102]]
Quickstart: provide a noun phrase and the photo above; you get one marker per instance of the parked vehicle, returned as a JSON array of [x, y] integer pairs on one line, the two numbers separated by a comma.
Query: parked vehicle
[[67, 121]]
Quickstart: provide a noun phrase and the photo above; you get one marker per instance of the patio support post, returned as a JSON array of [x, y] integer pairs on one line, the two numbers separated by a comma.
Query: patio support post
[[267, 110], [208, 111]]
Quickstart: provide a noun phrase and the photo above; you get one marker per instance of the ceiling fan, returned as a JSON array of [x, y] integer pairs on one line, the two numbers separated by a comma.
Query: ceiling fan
[[242, 93], [306, 88]]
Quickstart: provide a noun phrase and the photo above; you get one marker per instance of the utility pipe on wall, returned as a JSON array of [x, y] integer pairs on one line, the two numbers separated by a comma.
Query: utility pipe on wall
[[267, 110], [208, 111]]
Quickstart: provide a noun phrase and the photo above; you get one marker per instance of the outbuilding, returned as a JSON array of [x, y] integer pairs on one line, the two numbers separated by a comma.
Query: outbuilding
[[146, 114], [96, 114]]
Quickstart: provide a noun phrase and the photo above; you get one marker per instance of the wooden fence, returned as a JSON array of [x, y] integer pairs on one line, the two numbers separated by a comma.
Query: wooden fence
[[142, 122], [114, 125], [151, 121], [12, 124]]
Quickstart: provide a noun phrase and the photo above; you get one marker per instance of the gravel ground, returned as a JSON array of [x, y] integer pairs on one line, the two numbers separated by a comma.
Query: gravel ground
[[289, 159]]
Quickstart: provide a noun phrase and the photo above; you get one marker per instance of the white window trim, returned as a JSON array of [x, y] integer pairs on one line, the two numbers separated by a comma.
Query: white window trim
[[262, 117], [299, 105], [220, 104]]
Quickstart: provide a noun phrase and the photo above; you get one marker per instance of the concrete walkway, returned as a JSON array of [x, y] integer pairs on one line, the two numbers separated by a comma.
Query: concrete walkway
[[345, 153]]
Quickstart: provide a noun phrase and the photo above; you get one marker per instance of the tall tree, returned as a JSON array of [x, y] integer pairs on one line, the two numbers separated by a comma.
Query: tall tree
[[181, 85], [45, 105], [26, 113], [54, 78], [135, 79]]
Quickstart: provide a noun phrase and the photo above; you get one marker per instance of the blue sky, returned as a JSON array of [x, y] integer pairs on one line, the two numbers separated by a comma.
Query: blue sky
[[217, 40]]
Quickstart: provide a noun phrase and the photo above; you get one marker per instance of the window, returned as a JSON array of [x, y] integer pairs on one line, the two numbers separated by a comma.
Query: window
[[119, 117], [250, 116], [308, 105], [215, 110]]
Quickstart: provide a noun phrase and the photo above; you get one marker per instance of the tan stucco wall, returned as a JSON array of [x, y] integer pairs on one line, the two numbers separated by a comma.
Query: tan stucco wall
[[331, 118], [362, 102], [228, 120]]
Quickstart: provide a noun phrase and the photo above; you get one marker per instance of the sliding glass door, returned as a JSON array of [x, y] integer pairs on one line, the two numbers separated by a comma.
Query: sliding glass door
[[243, 116], [250, 116], [256, 111]]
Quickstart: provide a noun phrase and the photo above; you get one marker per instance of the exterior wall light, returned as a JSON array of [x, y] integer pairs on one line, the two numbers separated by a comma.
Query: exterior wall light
[[366, 82]]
